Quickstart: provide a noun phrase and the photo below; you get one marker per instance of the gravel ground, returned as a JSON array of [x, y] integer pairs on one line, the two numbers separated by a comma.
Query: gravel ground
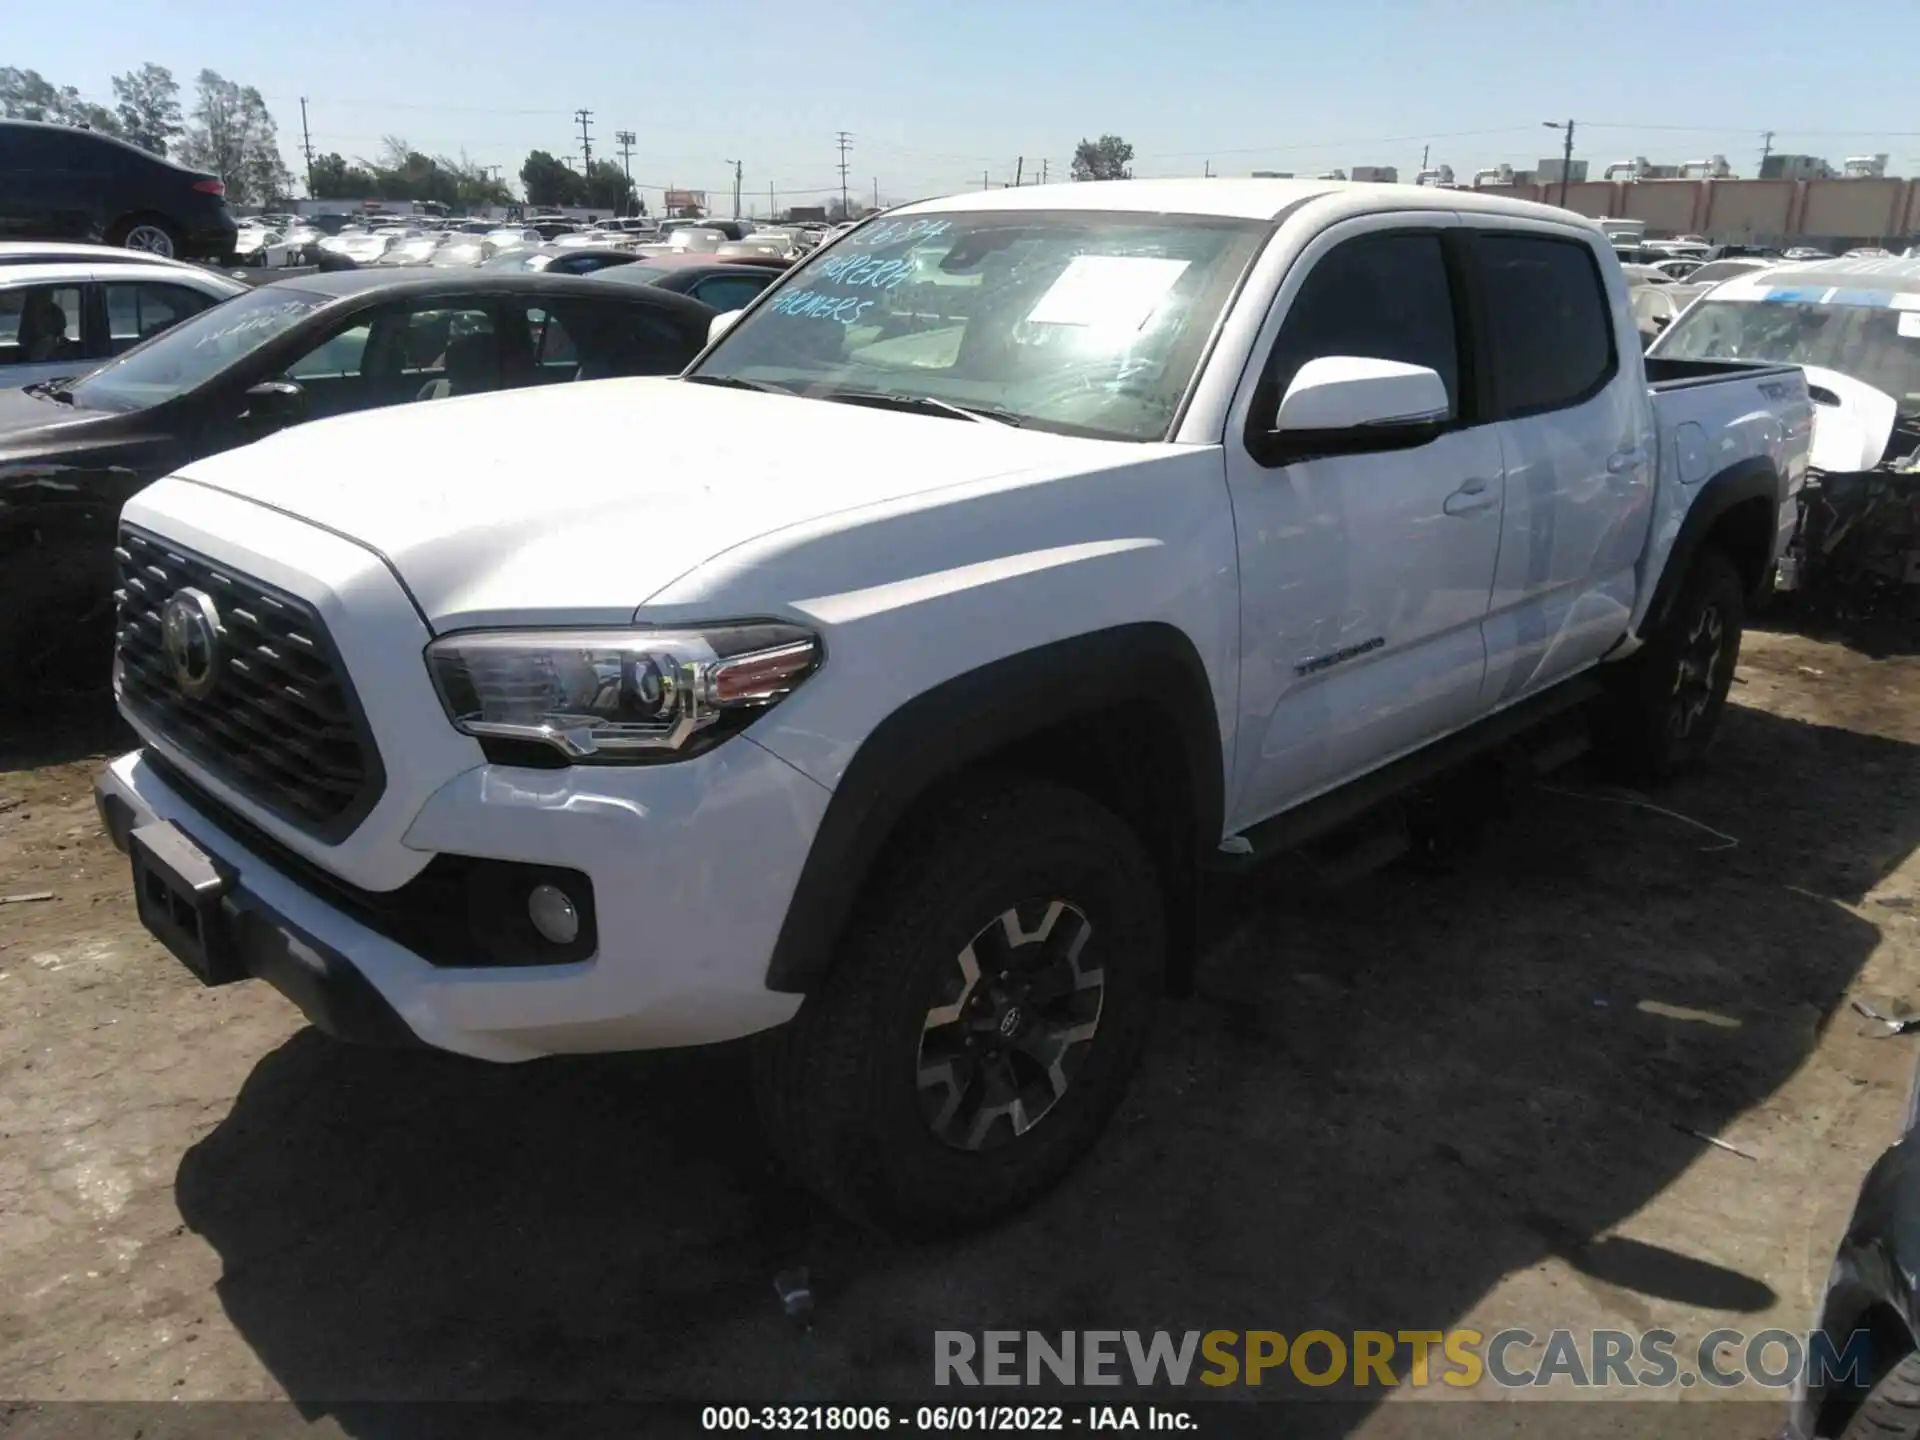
[[1453, 1096]]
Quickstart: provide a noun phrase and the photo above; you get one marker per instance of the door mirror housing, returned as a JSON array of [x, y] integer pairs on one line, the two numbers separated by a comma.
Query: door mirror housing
[[1350, 405], [1346, 392], [274, 403], [720, 324]]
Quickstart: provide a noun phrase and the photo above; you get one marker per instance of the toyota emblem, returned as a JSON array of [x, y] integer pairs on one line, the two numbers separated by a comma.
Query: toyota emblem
[[191, 635]]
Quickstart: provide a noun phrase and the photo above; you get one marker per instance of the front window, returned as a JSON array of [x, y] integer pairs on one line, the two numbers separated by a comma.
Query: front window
[[195, 350], [1874, 345], [1085, 322]]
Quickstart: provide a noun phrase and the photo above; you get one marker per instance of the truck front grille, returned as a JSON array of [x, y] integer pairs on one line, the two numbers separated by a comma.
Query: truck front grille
[[276, 717]]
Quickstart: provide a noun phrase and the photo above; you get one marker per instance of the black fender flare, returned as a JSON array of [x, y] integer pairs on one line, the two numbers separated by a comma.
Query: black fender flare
[[976, 713], [1754, 478]]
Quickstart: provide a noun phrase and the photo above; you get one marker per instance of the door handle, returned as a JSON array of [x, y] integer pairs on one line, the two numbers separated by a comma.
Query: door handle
[[1469, 499], [1622, 461]]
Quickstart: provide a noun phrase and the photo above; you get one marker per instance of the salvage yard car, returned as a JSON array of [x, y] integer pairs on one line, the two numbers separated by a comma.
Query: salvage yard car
[[1169, 525], [58, 182], [66, 317], [1854, 327], [293, 350]]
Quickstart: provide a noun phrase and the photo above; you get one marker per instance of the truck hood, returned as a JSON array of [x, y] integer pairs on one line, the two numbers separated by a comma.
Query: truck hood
[[572, 504], [1851, 435]]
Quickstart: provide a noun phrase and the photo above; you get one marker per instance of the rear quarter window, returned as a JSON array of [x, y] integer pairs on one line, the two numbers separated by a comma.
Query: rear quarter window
[[1549, 324]]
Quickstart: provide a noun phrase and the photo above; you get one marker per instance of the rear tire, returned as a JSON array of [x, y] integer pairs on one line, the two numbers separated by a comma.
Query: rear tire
[[153, 234], [1664, 705], [1891, 1410], [987, 1007]]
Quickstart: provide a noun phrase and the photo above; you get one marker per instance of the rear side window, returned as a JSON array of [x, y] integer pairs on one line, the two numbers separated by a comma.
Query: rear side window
[[1378, 297], [139, 310], [1549, 327]]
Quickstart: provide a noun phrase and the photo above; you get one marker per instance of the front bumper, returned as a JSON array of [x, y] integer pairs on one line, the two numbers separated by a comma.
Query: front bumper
[[692, 867], [329, 991]]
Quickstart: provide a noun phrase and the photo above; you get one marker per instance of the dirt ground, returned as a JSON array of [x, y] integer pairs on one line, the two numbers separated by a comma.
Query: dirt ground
[[1421, 1101]]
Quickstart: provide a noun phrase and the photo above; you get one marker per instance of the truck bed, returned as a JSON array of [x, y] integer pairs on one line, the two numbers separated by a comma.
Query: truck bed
[[1667, 375]]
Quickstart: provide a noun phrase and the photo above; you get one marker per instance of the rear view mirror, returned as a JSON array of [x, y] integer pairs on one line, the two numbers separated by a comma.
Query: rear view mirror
[[720, 324], [275, 403]]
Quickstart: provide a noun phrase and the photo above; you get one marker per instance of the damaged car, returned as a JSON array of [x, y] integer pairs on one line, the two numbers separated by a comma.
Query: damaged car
[[1854, 327]]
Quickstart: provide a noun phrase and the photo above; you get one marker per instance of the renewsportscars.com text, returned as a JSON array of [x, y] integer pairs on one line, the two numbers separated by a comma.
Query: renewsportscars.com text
[[1369, 1359]]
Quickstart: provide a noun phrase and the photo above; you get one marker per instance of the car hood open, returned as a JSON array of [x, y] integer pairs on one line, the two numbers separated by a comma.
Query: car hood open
[[574, 503]]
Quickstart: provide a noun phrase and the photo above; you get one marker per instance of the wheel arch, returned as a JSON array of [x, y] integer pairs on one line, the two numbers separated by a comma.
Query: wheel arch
[[1735, 511], [1126, 713]]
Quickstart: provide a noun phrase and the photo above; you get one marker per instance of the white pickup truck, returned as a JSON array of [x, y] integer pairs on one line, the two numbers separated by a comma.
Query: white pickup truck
[[1012, 561]]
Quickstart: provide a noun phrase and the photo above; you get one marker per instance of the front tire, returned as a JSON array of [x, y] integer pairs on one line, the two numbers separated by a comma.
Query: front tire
[[1665, 704], [1891, 1410], [986, 1010]]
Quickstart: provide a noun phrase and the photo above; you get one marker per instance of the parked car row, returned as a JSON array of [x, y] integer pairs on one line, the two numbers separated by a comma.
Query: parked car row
[[239, 363]]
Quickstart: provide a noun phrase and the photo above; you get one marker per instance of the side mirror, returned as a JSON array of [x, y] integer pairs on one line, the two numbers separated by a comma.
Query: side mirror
[[720, 324], [1345, 392], [1349, 404], [273, 403]]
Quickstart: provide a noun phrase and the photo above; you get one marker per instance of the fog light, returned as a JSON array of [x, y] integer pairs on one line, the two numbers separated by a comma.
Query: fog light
[[553, 914]]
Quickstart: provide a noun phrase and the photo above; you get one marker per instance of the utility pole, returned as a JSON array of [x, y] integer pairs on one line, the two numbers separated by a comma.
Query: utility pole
[[1766, 148], [306, 144], [586, 150], [1425, 150], [1566, 155], [845, 141], [984, 183], [876, 192], [1206, 170], [1019, 167], [1043, 171], [773, 206], [626, 139], [736, 186]]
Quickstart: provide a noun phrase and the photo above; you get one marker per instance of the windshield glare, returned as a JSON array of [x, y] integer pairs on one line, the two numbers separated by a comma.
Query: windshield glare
[[1080, 321], [1874, 345], [195, 350]]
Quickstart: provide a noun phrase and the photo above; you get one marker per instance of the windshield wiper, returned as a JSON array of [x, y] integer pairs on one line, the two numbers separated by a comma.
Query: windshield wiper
[[920, 404], [735, 382], [60, 389]]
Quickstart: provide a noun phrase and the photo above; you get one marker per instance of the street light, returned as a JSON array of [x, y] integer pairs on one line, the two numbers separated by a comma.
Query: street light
[[1566, 155]]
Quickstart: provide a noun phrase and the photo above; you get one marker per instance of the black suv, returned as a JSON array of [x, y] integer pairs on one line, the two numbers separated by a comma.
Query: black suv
[[60, 183]]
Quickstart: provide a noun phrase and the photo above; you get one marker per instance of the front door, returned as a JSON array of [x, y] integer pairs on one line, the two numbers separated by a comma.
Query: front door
[[1364, 577]]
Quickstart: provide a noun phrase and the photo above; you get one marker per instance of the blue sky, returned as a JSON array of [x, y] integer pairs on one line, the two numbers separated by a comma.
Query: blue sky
[[935, 94]]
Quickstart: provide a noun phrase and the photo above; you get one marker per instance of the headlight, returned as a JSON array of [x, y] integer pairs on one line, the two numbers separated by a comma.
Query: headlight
[[613, 695]]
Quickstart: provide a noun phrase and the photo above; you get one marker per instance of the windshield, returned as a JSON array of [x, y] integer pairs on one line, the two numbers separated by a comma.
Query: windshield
[[1080, 321], [1875, 345], [195, 350]]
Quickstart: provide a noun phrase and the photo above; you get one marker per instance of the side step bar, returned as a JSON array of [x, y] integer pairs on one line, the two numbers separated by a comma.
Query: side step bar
[[1295, 828]]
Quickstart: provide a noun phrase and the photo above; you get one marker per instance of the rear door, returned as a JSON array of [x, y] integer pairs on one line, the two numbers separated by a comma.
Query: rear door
[[1576, 449], [1364, 577]]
